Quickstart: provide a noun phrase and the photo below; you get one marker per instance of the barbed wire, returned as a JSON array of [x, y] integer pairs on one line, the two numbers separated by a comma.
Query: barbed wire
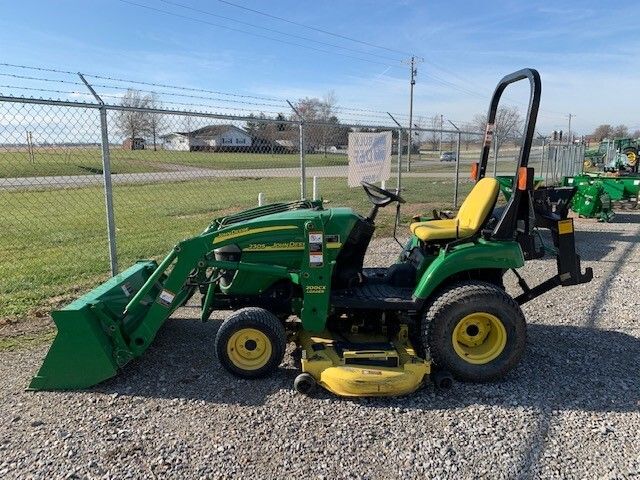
[[342, 111], [48, 80], [179, 88], [210, 108]]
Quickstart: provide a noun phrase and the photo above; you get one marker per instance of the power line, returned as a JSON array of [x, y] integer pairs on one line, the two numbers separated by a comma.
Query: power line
[[434, 77], [291, 22], [279, 32], [185, 17]]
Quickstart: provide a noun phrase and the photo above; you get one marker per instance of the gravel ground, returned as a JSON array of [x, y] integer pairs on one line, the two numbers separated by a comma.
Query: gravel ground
[[571, 410]]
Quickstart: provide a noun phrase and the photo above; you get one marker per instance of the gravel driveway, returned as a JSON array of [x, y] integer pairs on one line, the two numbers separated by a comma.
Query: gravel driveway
[[571, 410]]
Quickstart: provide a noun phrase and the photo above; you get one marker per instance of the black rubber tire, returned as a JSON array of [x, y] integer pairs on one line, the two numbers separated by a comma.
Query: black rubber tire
[[259, 319], [458, 300], [304, 384]]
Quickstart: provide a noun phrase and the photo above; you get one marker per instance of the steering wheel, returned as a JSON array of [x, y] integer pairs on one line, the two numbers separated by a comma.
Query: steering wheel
[[380, 197]]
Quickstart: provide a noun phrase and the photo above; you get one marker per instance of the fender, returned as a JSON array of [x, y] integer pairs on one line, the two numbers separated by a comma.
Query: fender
[[482, 254]]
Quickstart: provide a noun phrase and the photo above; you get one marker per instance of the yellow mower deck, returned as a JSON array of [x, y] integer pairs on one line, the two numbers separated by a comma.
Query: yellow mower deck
[[363, 366]]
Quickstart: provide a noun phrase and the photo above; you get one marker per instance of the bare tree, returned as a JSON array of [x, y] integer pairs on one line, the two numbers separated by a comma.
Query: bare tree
[[601, 132], [133, 123], [325, 110], [156, 121], [433, 137], [508, 124], [322, 125], [621, 131], [468, 139], [635, 134]]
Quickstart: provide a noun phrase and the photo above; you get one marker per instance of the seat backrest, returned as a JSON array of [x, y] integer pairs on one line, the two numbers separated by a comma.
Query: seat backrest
[[478, 205]]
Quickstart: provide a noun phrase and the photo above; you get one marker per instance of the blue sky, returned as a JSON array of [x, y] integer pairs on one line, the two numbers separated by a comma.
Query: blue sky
[[586, 51]]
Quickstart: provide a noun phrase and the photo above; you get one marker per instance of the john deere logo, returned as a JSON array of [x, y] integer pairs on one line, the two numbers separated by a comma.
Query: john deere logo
[[257, 247]]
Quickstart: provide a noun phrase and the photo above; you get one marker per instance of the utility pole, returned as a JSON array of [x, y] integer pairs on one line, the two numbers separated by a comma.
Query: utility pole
[[412, 82], [569, 134], [455, 188]]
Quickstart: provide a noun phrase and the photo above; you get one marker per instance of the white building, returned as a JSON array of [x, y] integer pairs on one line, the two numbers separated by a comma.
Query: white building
[[212, 137]]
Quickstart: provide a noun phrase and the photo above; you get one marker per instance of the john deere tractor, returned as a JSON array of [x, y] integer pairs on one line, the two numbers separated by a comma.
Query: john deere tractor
[[293, 272]]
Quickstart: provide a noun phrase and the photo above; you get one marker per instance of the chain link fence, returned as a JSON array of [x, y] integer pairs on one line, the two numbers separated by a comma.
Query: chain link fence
[[88, 187]]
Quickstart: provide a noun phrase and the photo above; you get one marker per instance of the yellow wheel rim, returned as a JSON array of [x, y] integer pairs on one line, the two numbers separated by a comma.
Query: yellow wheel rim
[[249, 349], [632, 158], [479, 338], [588, 164]]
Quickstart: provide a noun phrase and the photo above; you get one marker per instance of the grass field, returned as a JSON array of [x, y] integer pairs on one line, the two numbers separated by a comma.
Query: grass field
[[53, 242], [84, 161]]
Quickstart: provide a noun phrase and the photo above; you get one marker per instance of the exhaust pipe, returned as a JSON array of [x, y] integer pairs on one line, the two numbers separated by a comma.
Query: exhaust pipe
[[442, 380]]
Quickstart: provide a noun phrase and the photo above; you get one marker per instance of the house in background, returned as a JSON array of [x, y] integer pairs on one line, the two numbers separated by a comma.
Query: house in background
[[216, 138], [133, 143]]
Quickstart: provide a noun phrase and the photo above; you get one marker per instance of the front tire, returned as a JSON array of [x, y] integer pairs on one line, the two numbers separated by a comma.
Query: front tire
[[251, 343], [474, 330]]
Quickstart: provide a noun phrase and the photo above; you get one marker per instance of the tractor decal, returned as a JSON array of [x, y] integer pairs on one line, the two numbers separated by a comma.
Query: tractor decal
[[272, 247], [241, 232]]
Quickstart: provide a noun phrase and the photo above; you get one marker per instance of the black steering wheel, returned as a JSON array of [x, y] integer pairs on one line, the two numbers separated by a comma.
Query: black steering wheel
[[380, 197]]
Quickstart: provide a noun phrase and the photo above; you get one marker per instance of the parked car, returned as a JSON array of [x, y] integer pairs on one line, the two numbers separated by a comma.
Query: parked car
[[448, 157]]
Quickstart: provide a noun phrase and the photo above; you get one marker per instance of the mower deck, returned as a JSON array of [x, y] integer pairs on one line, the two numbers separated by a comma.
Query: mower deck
[[363, 365]]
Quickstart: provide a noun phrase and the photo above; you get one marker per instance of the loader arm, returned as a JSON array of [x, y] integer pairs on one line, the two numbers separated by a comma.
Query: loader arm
[[116, 322]]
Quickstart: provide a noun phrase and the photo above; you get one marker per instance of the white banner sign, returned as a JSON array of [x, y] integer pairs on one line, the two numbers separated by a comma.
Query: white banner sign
[[369, 157]]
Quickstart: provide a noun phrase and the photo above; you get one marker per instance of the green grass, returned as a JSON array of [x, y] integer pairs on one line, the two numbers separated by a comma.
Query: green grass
[[27, 341], [228, 160], [53, 242], [71, 161], [83, 161]]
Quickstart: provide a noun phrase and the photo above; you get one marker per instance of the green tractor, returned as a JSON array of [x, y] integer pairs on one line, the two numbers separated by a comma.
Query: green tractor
[[293, 272], [624, 161]]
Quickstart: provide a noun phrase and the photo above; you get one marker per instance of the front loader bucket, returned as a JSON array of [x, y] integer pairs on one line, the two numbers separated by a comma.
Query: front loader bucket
[[91, 342]]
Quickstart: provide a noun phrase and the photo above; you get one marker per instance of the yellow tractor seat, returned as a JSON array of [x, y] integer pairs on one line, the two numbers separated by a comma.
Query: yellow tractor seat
[[471, 217]]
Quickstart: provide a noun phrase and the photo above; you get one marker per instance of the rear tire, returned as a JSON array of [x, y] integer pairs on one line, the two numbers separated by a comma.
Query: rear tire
[[474, 330], [251, 343]]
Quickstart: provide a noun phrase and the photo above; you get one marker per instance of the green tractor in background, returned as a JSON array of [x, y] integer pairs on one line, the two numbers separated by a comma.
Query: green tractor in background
[[604, 185], [624, 160], [293, 272]]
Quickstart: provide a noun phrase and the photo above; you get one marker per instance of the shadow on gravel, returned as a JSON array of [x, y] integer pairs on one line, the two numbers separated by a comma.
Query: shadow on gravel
[[595, 246], [626, 217], [565, 368], [181, 363]]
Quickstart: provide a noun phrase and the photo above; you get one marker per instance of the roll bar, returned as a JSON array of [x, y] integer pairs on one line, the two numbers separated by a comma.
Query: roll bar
[[532, 115]]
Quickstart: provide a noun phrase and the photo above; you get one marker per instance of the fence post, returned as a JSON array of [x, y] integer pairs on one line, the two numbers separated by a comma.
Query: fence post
[[303, 172], [106, 175], [455, 185], [542, 158], [399, 180]]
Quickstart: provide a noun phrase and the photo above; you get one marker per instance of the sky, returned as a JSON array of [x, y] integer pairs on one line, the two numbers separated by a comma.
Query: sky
[[586, 51]]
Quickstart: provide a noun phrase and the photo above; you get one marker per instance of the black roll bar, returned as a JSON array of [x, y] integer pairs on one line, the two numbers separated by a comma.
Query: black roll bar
[[532, 115]]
